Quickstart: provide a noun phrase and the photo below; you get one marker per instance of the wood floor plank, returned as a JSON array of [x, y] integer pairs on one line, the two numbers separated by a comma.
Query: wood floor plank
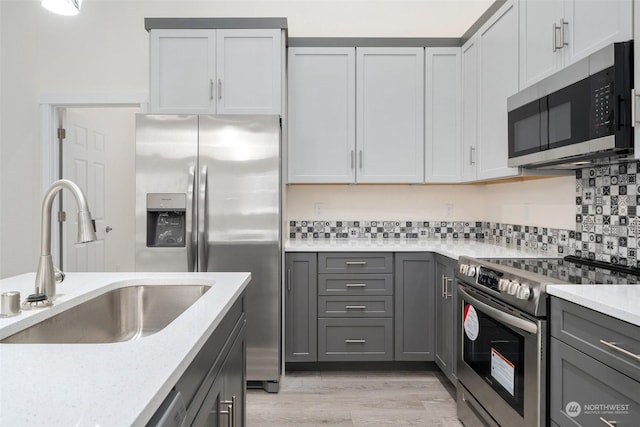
[[347, 398]]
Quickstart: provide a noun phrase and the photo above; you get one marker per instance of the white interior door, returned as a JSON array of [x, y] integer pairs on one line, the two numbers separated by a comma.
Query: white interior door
[[98, 154]]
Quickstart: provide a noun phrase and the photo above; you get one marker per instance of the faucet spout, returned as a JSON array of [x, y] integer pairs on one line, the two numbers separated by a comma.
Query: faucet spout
[[45, 286]]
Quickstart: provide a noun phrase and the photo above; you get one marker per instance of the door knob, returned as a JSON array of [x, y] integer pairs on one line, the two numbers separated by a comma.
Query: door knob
[[108, 229]]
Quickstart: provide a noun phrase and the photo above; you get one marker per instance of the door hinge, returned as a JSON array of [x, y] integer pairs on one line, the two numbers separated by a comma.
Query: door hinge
[[62, 216], [62, 133]]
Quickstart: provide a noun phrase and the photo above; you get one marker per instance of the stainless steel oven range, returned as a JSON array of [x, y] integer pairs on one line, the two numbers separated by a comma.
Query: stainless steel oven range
[[502, 338]]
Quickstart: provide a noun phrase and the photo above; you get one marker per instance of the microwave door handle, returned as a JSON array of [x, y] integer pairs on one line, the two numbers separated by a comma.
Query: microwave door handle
[[190, 220], [203, 220], [516, 322]]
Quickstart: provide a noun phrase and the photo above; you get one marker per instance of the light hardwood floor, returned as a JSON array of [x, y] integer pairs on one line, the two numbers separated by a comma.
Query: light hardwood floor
[[328, 398]]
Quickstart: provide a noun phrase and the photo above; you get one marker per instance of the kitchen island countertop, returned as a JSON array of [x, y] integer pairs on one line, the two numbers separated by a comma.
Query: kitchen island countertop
[[104, 384], [452, 248]]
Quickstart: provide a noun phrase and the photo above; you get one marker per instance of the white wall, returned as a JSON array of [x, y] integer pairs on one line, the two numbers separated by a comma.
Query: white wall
[[546, 202]]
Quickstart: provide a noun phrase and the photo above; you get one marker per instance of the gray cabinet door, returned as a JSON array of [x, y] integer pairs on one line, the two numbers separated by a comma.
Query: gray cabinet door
[[414, 306], [445, 317], [301, 307], [584, 391]]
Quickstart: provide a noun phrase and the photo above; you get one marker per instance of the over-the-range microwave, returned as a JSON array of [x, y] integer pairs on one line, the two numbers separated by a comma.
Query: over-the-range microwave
[[580, 113]]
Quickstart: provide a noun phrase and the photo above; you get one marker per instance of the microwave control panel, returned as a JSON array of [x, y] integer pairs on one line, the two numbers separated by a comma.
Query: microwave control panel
[[602, 103]]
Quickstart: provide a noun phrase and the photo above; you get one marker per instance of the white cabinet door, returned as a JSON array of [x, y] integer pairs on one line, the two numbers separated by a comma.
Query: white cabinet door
[[470, 90], [498, 68], [593, 24], [182, 65], [442, 115], [539, 30], [390, 115], [322, 115], [249, 71]]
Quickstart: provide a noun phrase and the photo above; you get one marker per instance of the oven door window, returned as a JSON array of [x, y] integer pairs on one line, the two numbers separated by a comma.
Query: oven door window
[[496, 353]]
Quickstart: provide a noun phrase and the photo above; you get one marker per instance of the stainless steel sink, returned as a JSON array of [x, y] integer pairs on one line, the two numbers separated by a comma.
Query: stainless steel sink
[[123, 314]]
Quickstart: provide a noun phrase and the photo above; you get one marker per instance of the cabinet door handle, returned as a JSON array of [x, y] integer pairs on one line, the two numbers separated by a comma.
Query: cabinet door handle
[[555, 29], [227, 413], [360, 155], [211, 89], [563, 24], [356, 307], [443, 293], [219, 89], [449, 295], [472, 155], [353, 159], [356, 262], [355, 341], [615, 347], [355, 285], [289, 279], [609, 423]]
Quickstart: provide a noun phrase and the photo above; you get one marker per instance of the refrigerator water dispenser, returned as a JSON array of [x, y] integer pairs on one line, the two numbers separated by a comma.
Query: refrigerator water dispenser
[[166, 220]]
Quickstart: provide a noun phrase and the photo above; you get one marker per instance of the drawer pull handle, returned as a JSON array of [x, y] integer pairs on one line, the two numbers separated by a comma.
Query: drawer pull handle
[[609, 423], [356, 262], [356, 307], [613, 346], [358, 341], [356, 285]]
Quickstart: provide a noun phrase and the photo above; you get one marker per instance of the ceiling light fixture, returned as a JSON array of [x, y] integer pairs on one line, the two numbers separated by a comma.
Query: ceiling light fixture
[[62, 7]]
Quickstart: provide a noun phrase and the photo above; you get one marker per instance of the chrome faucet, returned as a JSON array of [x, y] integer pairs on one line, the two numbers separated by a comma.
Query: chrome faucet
[[47, 275]]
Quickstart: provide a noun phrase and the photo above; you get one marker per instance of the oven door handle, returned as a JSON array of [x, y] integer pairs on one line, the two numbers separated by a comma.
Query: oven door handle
[[503, 317]]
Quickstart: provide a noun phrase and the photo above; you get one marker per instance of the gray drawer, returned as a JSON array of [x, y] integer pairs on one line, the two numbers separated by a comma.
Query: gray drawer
[[355, 306], [357, 340], [354, 262], [355, 284], [585, 330], [588, 386]]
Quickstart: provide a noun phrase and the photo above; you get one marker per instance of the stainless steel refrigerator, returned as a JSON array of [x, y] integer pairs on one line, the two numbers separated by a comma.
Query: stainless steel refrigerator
[[208, 198]]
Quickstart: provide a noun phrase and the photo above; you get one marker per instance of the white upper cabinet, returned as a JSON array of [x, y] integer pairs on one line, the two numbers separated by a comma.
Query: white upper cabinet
[[470, 90], [356, 115], [489, 77], [182, 64], [442, 115], [390, 115], [209, 71], [248, 71], [498, 70], [556, 33], [322, 115]]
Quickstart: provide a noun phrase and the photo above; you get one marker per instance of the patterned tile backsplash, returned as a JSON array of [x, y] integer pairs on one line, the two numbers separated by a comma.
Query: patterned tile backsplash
[[607, 226]]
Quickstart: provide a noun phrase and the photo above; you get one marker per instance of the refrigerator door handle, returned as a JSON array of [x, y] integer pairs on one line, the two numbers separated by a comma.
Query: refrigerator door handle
[[191, 220], [203, 223]]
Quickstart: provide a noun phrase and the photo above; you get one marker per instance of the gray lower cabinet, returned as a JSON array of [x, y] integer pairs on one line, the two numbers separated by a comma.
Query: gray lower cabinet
[[445, 319], [355, 309], [301, 308], [414, 306], [213, 386], [594, 368]]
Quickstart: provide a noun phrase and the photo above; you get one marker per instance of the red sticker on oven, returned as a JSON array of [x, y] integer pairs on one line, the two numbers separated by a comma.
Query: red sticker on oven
[[470, 322]]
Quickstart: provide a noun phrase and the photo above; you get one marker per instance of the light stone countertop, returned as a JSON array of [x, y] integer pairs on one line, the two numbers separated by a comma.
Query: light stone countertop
[[452, 248], [619, 301], [118, 384]]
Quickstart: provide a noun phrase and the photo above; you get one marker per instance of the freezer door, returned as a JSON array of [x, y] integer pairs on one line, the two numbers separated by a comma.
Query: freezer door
[[166, 176], [240, 158]]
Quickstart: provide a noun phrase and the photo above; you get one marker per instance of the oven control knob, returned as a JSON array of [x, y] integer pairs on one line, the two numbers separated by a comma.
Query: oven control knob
[[472, 271], [464, 268], [524, 292], [513, 287], [503, 285]]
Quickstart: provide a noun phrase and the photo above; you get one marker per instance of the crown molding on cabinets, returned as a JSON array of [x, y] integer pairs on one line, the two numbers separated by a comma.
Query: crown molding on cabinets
[[374, 42], [213, 23]]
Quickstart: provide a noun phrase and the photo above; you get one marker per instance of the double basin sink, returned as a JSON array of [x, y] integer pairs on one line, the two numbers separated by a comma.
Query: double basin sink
[[123, 314]]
